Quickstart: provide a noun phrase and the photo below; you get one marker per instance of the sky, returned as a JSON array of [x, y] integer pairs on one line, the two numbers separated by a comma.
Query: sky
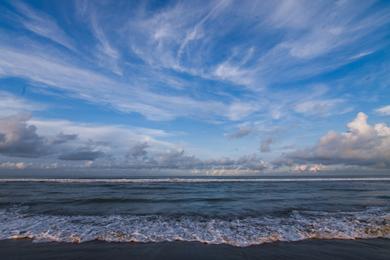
[[201, 87]]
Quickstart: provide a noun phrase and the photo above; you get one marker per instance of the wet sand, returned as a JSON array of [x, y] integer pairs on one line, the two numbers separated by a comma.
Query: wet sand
[[310, 249]]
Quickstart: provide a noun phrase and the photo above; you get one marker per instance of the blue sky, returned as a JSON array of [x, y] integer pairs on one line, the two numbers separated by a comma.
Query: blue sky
[[221, 87]]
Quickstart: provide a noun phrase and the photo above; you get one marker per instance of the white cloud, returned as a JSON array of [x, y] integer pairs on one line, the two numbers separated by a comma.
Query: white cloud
[[321, 107], [318, 37], [43, 25], [106, 54], [314, 168], [292, 14], [240, 110], [259, 45], [163, 38], [327, 27], [363, 144], [196, 32], [97, 88], [22, 136], [62, 144], [115, 139], [13, 165], [385, 111], [11, 104], [234, 73], [361, 55]]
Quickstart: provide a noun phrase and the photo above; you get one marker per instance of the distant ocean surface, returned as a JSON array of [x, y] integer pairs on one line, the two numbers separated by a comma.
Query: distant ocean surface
[[239, 211]]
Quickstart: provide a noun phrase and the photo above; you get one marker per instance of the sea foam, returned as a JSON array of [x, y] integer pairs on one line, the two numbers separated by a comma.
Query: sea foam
[[245, 231]]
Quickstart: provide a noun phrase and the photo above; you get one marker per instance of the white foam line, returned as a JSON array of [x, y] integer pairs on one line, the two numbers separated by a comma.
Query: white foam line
[[185, 180], [246, 231]]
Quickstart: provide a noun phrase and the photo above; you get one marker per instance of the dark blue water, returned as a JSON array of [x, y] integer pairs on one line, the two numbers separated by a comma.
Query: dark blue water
[[240, 211]]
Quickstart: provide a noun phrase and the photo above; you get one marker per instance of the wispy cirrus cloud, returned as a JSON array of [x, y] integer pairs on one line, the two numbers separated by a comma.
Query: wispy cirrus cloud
[[43, 25], [106, 53], [88, 85], [164, 39], [385, 110], [11, 104], [324, 107]]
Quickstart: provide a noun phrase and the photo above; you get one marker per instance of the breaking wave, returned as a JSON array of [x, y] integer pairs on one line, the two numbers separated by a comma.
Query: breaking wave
[[245, 231]]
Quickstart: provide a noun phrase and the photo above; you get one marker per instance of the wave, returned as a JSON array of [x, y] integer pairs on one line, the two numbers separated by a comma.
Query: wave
[[189, 180], [371, 223]]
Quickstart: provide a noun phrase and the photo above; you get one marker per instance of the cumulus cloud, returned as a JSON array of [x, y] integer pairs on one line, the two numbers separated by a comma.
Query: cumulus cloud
[[363, 144], [178, 159], [308, 168], [19, 139], [13, 165], [246, 162], [22, 136], [66, 144]]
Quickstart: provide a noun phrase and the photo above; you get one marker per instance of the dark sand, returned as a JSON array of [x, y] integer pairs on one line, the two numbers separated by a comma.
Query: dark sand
[[310, 249]]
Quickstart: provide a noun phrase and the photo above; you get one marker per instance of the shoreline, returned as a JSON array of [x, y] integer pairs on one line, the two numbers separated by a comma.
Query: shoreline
[[307, 249]]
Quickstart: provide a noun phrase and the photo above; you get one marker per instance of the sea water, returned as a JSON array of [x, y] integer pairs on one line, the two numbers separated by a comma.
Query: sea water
[[239, 211]]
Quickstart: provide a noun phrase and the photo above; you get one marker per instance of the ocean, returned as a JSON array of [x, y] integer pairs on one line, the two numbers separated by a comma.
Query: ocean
[[237, 211]]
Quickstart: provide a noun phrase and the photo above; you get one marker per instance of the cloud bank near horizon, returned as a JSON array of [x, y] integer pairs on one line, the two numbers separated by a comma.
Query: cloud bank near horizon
[[65, 142]]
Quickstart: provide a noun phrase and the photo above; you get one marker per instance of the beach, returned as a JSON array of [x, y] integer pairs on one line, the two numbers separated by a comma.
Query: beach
[[373, 249]]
